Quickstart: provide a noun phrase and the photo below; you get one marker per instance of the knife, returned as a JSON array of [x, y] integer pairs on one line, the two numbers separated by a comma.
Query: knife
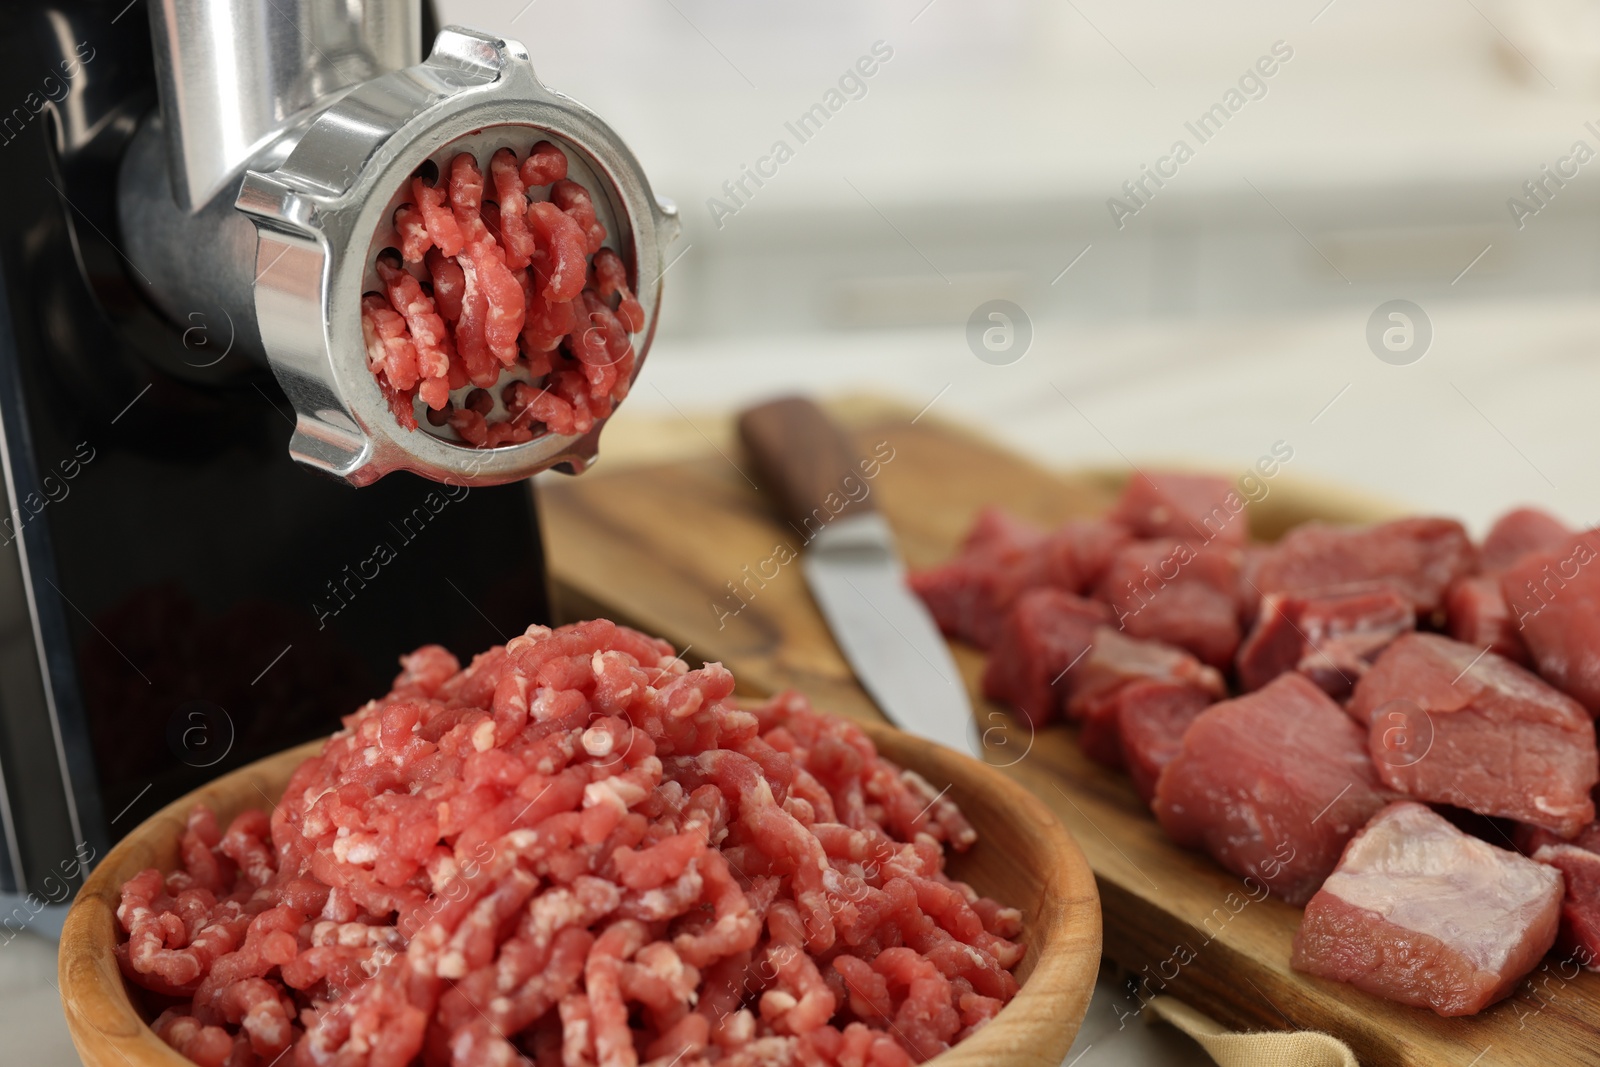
[[825, 492]]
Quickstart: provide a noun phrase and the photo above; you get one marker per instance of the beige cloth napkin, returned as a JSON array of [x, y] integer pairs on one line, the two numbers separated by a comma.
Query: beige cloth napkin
[[1305, 1048]]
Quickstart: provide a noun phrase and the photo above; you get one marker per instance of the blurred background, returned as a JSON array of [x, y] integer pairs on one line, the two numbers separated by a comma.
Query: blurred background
[[1199, 319]]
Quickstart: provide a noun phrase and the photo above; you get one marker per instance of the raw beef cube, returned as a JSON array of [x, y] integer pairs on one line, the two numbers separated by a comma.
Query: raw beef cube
[[1191, 616], [1139, 570], [1198, 508], [1420, 558], [1115, 660], [1073, 556], [1097, 735], [1151, 719], [1079, 551], [970, 594], [1477, 615], [1251, 556], [1529, 838], [1554, 598], [1169, 591], [1476, 607], [997, 530], [1426, 915], [1579, 940], [1490, 737], [1330, 639], [1517, 533], [1046, 632], [1272, 784], [1001, 558]]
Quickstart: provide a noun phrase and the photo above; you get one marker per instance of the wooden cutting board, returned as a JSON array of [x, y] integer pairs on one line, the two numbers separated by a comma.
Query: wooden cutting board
[[684, 546]]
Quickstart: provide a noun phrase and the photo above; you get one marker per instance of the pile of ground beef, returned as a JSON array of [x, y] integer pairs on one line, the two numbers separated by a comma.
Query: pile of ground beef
[[481, 288], [574, 851]]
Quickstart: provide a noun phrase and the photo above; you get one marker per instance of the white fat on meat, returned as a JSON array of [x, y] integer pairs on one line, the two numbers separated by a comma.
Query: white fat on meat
[[1416, 870]]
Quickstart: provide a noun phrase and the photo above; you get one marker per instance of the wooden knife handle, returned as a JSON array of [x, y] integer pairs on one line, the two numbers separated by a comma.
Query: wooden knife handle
[[804, 462]]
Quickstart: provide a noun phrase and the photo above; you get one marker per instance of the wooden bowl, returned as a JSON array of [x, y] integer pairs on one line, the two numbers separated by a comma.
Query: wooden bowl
[[1024, 857]]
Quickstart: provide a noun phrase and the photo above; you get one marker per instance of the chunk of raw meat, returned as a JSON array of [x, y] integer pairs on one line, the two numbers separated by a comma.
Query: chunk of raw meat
[[1426, 915], [1476, 607], [1330, 639], [1001, 558], [1141, 727], [1419, 558], [997, 530], [1115, 660], [1554, 598], [1476, 614], [1529, 838], [1251, 557], [1169, 591], [1080, 550], [1198, 508], [1272, 785], [1452, 724], [1518, 533], [1046, 632], [1097, 734], [1073, 556], [1579, 940], [970, 595]]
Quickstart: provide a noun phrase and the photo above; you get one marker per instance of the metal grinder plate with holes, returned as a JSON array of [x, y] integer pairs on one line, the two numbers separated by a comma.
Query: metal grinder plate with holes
[[325, 213]]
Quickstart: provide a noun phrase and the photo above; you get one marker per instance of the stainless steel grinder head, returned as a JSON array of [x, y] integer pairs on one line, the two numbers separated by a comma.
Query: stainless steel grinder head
[[325, 213], [320, 198]]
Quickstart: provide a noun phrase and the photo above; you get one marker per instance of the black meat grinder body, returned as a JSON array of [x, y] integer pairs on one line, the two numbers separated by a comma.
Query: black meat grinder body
[[177, 597]]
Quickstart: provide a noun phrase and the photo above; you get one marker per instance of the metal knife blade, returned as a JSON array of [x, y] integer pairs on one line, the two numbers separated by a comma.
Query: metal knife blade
[[886, 633]]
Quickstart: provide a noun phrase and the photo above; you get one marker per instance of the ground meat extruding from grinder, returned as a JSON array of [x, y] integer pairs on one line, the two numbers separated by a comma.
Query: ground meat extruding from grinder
[[481, 291]]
